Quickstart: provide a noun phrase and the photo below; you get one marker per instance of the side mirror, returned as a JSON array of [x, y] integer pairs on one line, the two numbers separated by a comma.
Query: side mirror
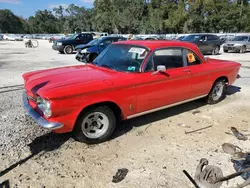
[[161, 69]]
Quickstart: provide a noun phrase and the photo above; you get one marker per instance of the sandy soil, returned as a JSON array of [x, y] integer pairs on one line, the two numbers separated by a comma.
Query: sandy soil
[[154, 148]]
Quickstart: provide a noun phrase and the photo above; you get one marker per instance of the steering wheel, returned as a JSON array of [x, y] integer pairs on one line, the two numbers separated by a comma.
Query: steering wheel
[[136, 62]]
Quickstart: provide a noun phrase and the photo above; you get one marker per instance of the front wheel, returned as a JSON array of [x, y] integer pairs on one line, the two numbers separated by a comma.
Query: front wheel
[[217, 92], [225, 50], [243, 49], [95, 126], [68, 49]]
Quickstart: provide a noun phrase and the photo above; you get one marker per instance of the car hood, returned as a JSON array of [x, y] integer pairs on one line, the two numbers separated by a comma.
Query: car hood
[[45, 82], [82, 46], [235, 42]]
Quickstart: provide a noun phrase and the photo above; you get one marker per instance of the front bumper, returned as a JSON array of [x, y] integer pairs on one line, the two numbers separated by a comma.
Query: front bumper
[[233, 48], [57, 48], [82, 57], [38, 118]]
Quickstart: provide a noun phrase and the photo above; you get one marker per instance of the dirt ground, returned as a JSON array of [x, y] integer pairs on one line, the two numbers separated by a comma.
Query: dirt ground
[[154, 148]]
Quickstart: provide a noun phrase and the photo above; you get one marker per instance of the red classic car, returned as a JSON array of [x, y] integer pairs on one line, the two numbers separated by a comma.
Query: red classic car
[[128, 79]]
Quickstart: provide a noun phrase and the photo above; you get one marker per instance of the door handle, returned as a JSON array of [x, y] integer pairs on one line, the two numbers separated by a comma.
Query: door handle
[[186, 70]]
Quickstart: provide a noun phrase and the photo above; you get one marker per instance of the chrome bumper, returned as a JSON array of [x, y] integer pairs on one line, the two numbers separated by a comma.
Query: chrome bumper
[[38, 118]]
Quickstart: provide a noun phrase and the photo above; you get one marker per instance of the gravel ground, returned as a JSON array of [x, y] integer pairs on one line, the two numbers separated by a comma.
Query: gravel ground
[[154, 148]]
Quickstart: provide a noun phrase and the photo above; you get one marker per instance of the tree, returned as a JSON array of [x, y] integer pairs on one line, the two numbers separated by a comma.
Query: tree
[[10, 23]]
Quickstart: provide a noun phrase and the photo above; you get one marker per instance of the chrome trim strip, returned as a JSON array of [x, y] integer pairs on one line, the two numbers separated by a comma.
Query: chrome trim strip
[[38, 118], [164, 107]]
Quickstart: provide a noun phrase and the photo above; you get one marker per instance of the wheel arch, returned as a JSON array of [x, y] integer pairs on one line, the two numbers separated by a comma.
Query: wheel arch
[[112, 105], [222, 78]]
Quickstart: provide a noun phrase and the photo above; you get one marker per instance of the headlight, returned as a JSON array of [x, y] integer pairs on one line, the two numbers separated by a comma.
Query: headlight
[[59, 43], [44, 106], [84, 51]]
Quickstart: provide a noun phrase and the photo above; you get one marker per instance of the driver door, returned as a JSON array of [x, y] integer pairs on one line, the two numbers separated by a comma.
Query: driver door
[[156, 90]]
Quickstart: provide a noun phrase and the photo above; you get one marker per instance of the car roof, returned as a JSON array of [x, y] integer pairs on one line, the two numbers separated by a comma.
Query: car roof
[[154, 44], [107, 37]]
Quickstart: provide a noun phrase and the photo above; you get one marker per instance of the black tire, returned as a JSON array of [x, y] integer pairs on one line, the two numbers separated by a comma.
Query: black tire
[[92, 57], [216, 50], [225, 51], [61, 52], [211, 98], [243, 49], [68, 49], [78, 130]]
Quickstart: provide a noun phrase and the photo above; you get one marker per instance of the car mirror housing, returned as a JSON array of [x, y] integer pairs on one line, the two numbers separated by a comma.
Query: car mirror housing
[[161, 69]]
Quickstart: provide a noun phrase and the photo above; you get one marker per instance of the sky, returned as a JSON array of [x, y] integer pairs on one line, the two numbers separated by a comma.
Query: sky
[[28, 8]]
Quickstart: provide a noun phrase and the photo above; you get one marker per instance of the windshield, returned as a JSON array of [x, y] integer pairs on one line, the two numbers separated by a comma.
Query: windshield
[[122, 57], [191, 38], [71, 37], [240, 38]]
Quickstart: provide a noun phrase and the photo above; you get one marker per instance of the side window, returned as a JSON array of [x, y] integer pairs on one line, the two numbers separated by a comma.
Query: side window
[[203, 38], [89, 36], [170, 58], [192, 58], [82, 36], [210, 37]]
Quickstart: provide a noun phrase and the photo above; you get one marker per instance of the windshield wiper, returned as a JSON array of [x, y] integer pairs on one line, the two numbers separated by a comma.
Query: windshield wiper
[[108, 66]]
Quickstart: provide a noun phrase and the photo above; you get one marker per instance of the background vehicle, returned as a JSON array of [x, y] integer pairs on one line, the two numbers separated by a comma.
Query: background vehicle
[[180, 37], [240, 43], [87, 53], [1, 37], [207, 43], [68, 44], [128, 79]]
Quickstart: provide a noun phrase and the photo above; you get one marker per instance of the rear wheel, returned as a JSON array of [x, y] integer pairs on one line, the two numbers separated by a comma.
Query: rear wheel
[[243, 49], [216, 50], [68, 49], [95, 126], [217, 92]]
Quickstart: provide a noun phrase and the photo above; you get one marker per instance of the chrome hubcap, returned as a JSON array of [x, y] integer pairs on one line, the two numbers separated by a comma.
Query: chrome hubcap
[[69, 50], [217, 91], [95, 125]]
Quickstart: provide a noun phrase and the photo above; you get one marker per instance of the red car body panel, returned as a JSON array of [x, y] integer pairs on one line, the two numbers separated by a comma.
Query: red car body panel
[[72, 89]]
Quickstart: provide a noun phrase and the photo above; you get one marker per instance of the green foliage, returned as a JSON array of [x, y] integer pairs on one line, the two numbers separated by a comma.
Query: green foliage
[[136, 16]]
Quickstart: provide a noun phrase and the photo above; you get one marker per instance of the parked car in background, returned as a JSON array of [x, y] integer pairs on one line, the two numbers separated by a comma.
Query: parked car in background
[[18, 38], [1, 37], [207, 43], [10, 37], [180, 37], [151, 38], [240, 43], [68, 44], [88, 52], [128, 79]]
